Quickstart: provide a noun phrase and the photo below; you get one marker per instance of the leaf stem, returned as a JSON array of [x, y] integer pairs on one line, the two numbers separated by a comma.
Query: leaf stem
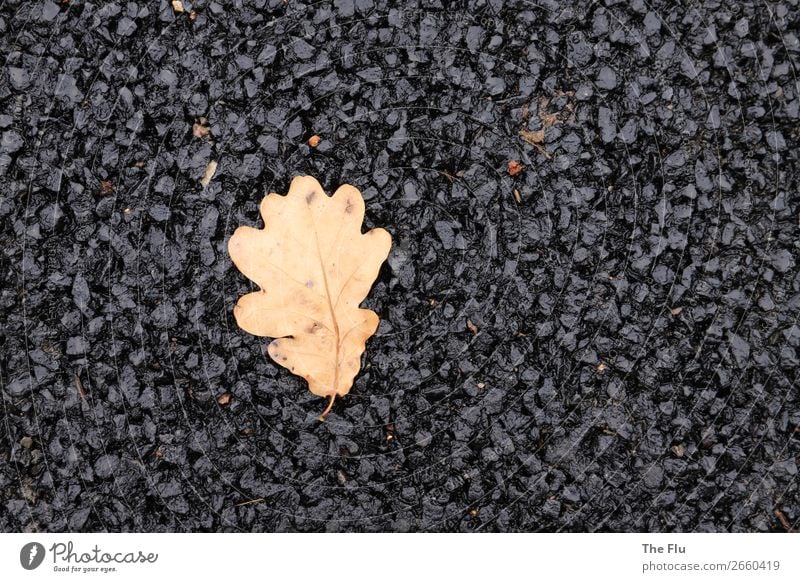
[[336, 334], [324, 415]]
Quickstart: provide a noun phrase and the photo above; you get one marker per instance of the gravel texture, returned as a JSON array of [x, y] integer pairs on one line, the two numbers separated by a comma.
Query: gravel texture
[[605, 341]]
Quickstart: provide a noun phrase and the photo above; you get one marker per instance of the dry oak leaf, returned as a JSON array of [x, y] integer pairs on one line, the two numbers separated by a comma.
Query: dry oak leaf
[[314, 267]]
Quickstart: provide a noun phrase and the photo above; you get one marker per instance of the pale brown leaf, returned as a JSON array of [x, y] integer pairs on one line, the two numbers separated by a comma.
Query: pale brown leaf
[[535, 138], [211, 169], [200, 128], [314, 268]]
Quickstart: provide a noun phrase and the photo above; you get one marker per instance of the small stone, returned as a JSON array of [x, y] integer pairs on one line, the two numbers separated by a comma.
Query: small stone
[[50, 11], [571, 494], [654, 477], [345, 8], [741, 350], [67, 86], [302, 49], [606, 78], [652, 23], [552, 508], [76, 346], [495, 85], [608, 130], [105, 466], [584, 92], [775, 140], [446, 233], [19, 78], [126, 27], [782, 260], [579, 51], [11, 142], [676, 159], [159, 212], [19, 386], [81, 293]]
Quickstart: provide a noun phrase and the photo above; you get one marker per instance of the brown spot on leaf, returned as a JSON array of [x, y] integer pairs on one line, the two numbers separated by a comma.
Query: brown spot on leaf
[[310, 197], [349, 207]]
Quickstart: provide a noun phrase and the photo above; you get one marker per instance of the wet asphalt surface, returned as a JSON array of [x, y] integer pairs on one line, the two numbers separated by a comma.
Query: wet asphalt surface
[[606, 340]]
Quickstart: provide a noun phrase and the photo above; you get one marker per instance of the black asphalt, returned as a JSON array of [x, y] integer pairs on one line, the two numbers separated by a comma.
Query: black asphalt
[[606, 340]]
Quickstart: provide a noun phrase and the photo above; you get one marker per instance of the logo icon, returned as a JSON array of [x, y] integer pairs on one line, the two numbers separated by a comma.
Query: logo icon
[[31, 555]]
